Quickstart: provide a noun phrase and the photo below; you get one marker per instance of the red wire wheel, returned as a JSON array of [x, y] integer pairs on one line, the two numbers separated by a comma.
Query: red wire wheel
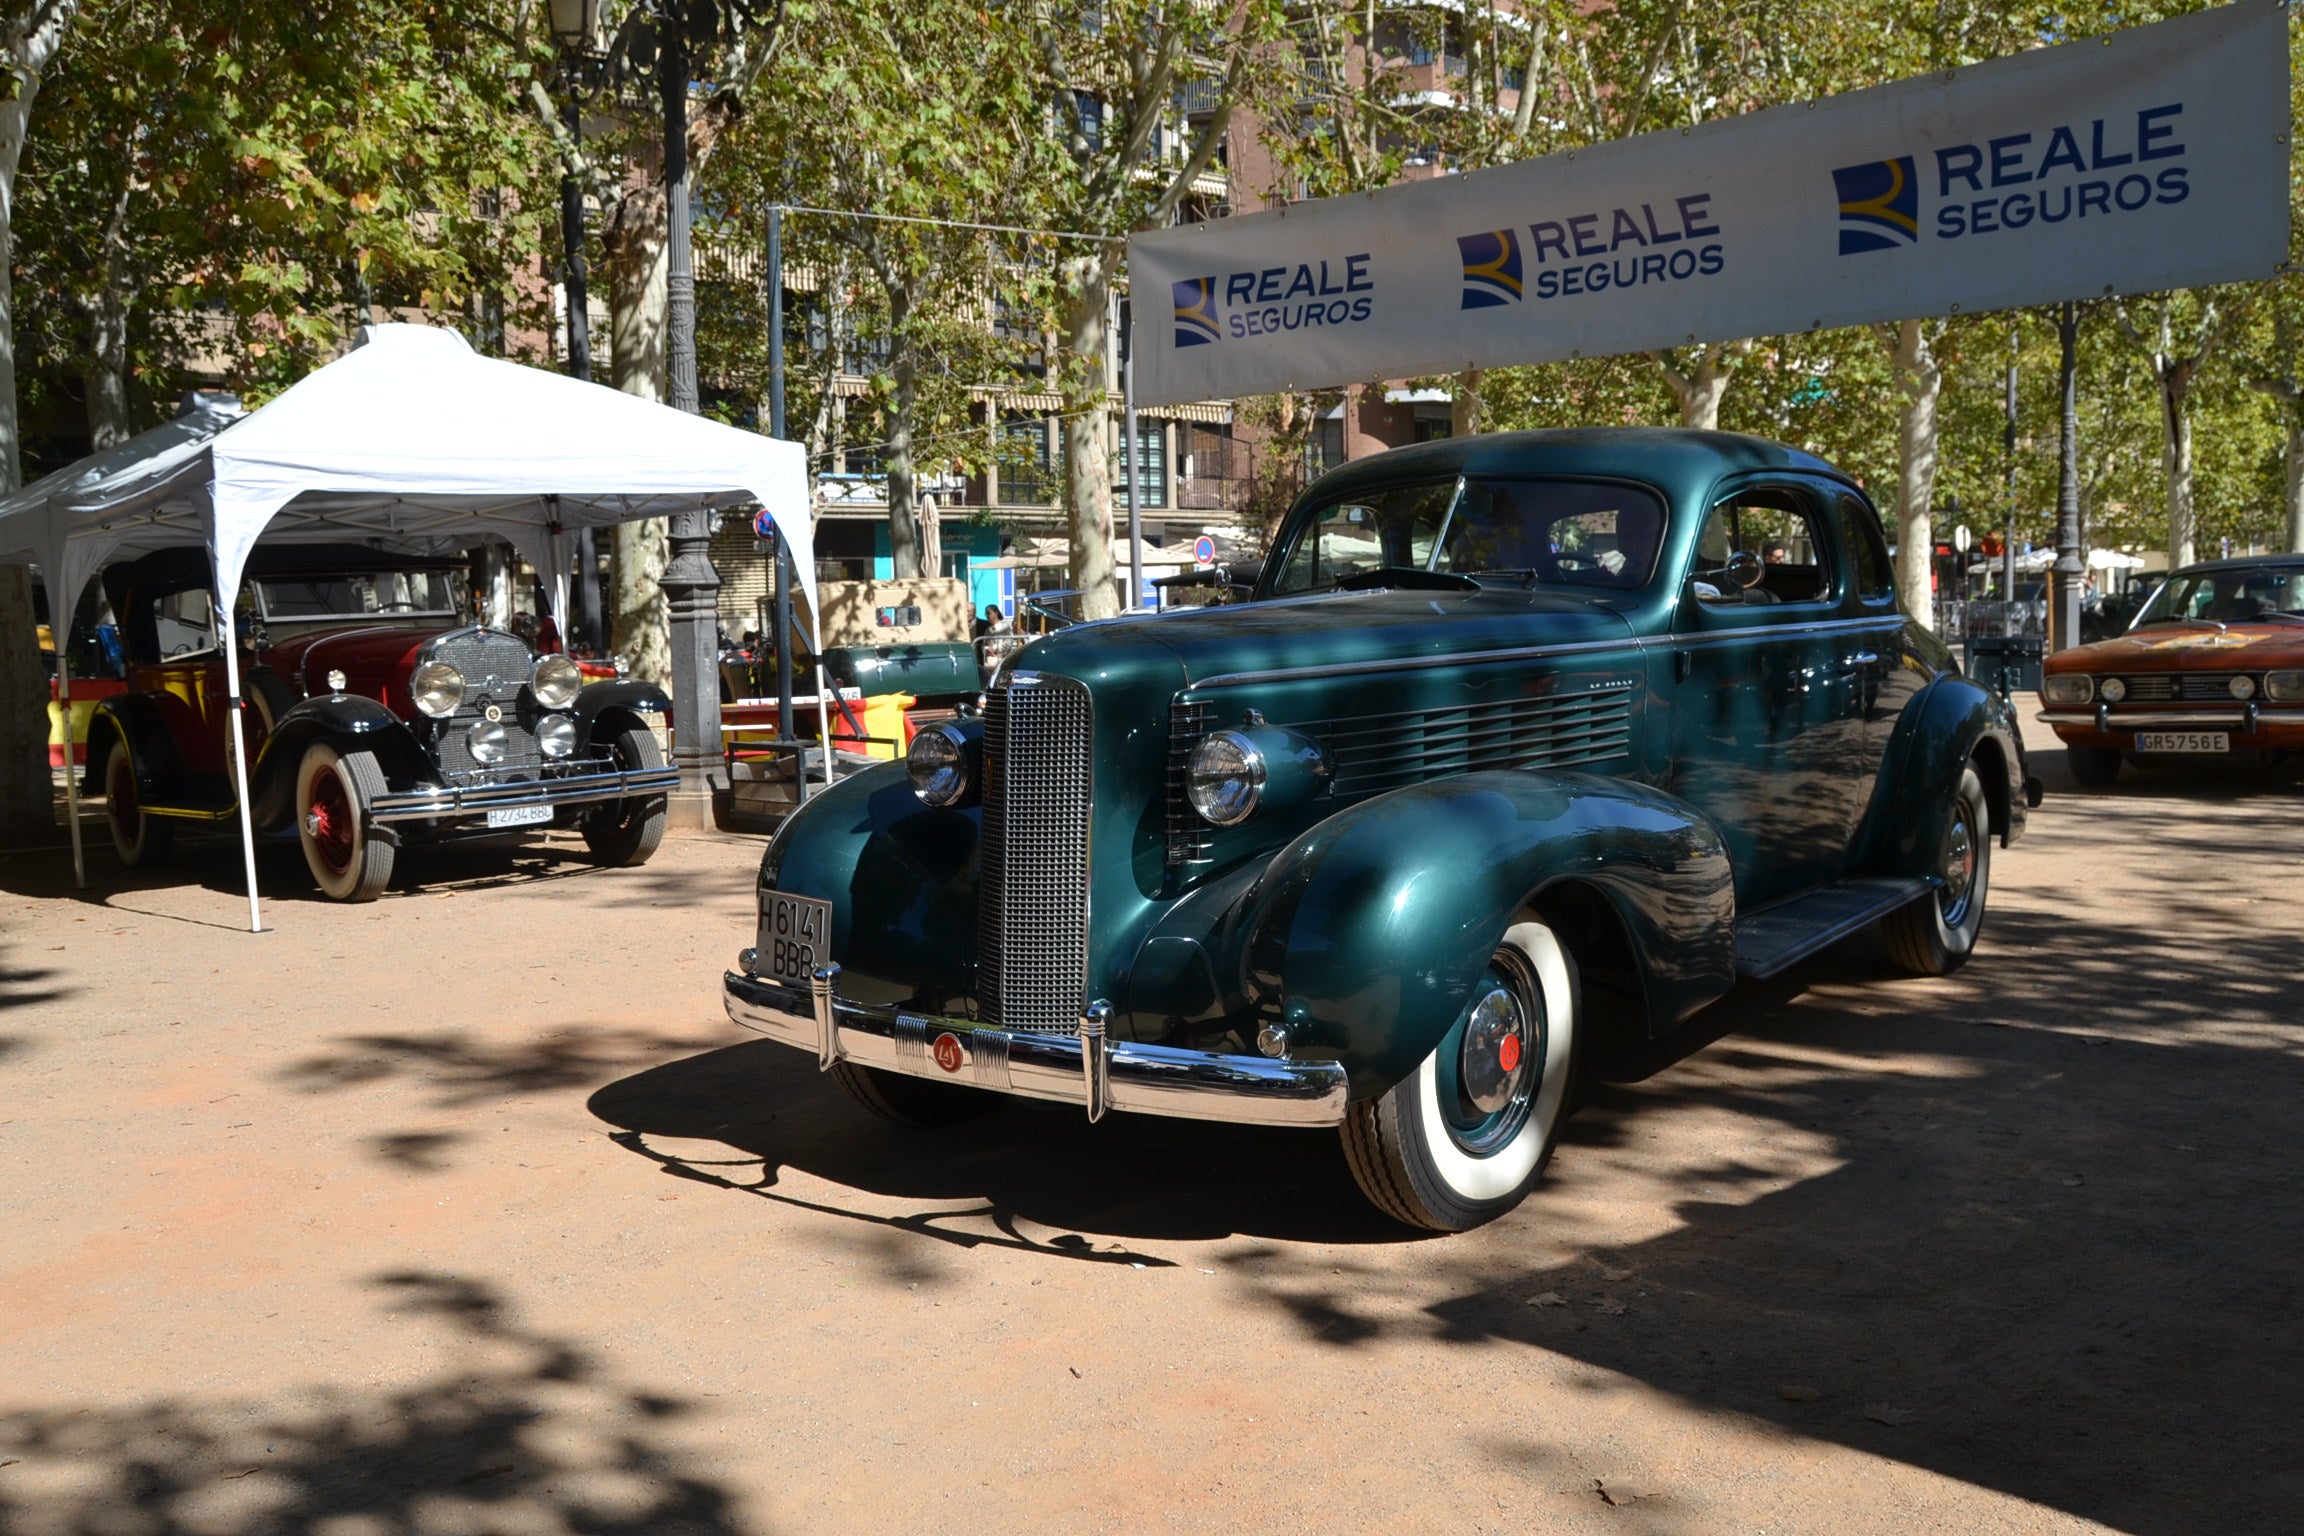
[[328, 818]]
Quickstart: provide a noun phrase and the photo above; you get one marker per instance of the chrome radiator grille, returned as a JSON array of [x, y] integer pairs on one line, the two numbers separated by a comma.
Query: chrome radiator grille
[[2188, 687], [496, 669], [1375, 753], [1032, 918]]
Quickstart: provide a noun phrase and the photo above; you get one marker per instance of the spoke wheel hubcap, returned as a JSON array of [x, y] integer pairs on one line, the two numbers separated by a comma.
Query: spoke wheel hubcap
[[328, 820]]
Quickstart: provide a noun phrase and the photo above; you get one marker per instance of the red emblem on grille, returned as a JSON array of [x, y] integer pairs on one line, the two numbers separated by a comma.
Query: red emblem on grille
[[948, 1054]]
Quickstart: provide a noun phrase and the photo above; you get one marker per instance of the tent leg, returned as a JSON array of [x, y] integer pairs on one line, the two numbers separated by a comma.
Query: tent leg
[[71, 776], [823, 699], [240, 763]]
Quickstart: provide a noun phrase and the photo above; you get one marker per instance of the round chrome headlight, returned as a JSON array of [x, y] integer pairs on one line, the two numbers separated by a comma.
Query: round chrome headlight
[[2112, 690], [942, 765], [2065, 688], [556, 681], [2242, 687], [1225, 778], [437, 689], [556, 735], [488, 741]]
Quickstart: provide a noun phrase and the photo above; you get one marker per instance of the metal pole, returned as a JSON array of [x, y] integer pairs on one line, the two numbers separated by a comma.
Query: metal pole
[[1135, 462], [691, 585], [2071, 560], [2008, 456], [71, 770], [785, 731], [579, 353]]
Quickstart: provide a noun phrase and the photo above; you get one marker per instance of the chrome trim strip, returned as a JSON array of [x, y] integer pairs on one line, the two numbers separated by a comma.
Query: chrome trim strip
[[470, 799], [2237, 719], [1139, 1079], [1672, 642]]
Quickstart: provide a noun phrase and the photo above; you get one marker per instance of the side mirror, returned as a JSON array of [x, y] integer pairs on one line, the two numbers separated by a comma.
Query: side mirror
[[1744, 569]]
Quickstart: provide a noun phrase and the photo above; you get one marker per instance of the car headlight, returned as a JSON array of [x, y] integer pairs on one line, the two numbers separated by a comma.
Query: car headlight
[[488, 741], [2112, 690], [556, 735], [2067, 688], [1224, 778], [942, 763], [556, 681], [2241, 687], [437, 689], [2284, 687]]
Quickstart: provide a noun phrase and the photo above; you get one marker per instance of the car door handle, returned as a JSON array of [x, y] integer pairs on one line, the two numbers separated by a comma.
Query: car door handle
[[1860, 661]]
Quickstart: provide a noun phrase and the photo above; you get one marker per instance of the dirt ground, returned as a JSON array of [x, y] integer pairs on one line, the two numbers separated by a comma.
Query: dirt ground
[[469, 1212]]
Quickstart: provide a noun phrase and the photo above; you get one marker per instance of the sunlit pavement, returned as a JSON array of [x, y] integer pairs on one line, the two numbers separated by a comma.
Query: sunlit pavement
[[468, 1211]]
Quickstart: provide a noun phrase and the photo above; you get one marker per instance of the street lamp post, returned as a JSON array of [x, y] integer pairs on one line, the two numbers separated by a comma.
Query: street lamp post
[[576, 28], [691, 585]]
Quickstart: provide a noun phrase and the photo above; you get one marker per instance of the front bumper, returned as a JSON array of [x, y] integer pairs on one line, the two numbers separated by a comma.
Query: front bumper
[[1089, 1068], [2252, 724], [437, 800]]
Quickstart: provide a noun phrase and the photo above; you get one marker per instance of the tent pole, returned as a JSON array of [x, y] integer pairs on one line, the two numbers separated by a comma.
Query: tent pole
[[239, 758], [71, 775]]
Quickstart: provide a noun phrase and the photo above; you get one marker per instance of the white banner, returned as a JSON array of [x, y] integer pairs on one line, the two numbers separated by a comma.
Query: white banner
[[2154, 158]]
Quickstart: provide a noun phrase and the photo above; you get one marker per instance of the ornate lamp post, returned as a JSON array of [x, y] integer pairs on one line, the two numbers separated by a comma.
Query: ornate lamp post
[[576, 28], [691, 585]]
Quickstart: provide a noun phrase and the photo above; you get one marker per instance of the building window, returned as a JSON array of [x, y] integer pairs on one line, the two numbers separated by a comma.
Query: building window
[[1027, 478], [1150, 462]]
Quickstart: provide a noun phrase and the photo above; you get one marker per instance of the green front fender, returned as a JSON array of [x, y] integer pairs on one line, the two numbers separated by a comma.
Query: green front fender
[[901, 879], [1373, 928]]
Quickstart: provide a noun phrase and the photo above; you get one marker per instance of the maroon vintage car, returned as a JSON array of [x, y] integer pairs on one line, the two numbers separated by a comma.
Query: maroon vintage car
[[376, 715], [2213, 665]]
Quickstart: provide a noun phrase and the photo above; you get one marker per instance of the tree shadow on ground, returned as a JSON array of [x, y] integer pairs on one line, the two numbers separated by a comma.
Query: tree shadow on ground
[[24, 987], [519, 1432], [2055, 1251]]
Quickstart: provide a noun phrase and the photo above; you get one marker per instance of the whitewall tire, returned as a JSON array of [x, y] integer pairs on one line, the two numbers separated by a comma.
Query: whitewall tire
[[1464, 1137], [333, 793]]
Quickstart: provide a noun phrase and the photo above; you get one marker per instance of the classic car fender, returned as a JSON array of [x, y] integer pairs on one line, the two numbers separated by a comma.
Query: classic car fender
[[1372, 929], [901, 879], [617, 706], [1952, 720], [352, 722], [137, 719]]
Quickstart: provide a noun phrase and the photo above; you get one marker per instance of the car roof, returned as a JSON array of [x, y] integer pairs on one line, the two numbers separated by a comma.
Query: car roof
[[183, 568], [1673, 457], [2290, 562]]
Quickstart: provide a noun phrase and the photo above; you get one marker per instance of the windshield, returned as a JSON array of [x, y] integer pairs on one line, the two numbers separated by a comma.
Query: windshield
[[1568, 532], [407, 594], [2227, 597]]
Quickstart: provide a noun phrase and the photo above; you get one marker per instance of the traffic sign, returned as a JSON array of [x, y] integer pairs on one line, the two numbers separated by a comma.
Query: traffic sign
[[1204, 550], [764, 526]]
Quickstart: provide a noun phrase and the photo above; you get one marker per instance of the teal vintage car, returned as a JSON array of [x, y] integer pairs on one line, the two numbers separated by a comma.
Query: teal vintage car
[[1525, 748]]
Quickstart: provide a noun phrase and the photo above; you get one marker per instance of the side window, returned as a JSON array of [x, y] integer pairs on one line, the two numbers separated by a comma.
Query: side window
[[1867, 554], [1780, 528]]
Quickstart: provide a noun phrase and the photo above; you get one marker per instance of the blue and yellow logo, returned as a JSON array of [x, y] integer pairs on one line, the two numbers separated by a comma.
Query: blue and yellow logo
[[1491, 268], [1879, 205], [1196, 324]]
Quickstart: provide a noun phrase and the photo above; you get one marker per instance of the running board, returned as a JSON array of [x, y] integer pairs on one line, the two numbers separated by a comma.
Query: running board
[[1781, 936]]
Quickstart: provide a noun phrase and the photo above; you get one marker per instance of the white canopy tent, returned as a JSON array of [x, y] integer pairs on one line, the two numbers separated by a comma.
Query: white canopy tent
[[411, 439]]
